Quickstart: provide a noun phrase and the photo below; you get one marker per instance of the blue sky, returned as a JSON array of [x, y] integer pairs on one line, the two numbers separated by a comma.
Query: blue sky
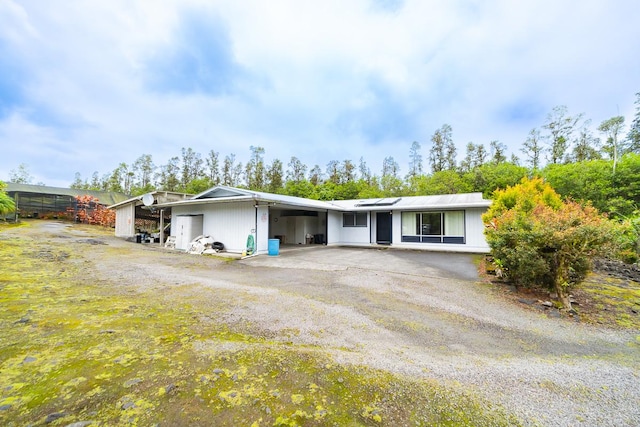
[[85, 85]]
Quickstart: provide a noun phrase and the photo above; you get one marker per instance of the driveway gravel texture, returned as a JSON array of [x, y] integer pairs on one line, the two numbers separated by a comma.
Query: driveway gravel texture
[[420, 314]]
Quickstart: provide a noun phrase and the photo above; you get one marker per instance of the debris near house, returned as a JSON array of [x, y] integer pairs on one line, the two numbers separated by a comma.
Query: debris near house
[[170, 243], [205, 245]]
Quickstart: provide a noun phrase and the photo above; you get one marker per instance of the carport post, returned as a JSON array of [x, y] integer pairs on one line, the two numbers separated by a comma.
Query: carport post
[[161, 227]]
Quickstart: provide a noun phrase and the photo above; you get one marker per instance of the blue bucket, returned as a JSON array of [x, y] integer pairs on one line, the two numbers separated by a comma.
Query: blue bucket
[[274, 247]]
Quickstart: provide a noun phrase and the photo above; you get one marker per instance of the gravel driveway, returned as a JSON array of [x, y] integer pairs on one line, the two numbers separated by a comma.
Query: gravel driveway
[[421, 314]]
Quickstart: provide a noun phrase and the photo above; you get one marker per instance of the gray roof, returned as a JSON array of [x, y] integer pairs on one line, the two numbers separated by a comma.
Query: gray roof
[[104, 197], [159, 196], [443, 201], [221, 194]]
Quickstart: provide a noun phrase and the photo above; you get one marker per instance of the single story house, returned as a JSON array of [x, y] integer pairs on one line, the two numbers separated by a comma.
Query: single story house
[[229, 215]]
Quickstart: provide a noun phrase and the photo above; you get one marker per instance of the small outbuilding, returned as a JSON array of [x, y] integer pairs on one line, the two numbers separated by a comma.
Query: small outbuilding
[[41, 201], [230, 215], [141, 214]]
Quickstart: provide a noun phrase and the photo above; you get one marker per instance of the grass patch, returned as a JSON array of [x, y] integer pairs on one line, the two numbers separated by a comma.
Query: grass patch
[[609, 301], [76, 349]]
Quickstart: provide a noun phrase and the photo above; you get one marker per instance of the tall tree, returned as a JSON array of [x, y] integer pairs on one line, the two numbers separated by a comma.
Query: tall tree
[[296, 170], [365, 172], [442, 155], [21, 175], [498, 152], [78, 183], [347, 172], [390, 167], [333, 171], [390, 181], [191, 166], [586, 146], [213, 167], [255, 169], [168, 178], [229, 170], [475, 157], [633, 137], [143, 169], [274, 177], [315, 175], [560, 126], [96, 183], [612, 128], [415, 160], [532, 148], [120, 179]]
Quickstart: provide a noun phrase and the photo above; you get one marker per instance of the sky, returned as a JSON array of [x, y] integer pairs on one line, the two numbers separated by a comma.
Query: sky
[[86, 85]]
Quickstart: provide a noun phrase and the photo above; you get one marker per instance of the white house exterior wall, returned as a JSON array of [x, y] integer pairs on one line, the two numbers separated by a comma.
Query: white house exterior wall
[[475, 229], [125, 220], [334, 227], [349, 235], [262, 230], [229, 223]]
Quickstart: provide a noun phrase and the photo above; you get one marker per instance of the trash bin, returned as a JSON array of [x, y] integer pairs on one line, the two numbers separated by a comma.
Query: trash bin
[[274, 247]]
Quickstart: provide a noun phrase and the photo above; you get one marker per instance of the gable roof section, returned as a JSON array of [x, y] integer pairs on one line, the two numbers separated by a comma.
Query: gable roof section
[[222, 194], [160, 197]]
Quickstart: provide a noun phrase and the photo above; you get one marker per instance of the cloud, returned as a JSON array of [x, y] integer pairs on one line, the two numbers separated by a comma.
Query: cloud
[[199, 59], [105, 82]]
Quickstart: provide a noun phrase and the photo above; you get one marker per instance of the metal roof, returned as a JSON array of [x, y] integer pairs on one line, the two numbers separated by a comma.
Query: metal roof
[[222, 194], [160, 196], [104, 197]]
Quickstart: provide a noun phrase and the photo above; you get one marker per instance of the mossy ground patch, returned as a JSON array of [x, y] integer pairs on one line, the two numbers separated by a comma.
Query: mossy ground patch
[[76, 346]]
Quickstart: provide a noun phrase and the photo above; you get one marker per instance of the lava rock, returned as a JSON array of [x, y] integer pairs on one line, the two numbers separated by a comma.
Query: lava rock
[[52, 417]]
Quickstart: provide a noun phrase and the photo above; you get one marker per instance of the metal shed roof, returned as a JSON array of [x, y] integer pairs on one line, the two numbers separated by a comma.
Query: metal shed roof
[[444, 201], [221, 194], [104, 197], [160, 196]]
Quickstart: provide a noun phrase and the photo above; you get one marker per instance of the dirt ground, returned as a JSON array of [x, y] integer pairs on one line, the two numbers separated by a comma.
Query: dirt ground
[[414, 313]]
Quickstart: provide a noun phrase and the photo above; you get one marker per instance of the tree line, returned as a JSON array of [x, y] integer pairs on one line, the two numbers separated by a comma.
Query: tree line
[[602, 168]]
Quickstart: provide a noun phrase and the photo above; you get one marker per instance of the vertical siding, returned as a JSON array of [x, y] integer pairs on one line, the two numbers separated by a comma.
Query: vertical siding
[[125, 220], [229, 223], [475, 228], [262, 232]]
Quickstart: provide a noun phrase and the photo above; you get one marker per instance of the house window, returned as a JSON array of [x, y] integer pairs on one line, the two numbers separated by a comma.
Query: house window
[[433, 227], [354, 219]]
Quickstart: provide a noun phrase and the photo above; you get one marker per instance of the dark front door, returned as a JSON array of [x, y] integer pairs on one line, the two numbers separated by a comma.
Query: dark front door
[[383, 228]]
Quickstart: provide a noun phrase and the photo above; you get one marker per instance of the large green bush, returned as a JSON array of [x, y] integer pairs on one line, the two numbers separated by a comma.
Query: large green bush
[[539, 240]]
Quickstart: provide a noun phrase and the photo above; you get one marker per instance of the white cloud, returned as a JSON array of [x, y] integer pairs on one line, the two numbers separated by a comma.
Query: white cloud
[[318, 80]]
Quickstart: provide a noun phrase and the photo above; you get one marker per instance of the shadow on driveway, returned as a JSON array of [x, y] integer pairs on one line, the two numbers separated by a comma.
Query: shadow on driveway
[[331, 258]]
